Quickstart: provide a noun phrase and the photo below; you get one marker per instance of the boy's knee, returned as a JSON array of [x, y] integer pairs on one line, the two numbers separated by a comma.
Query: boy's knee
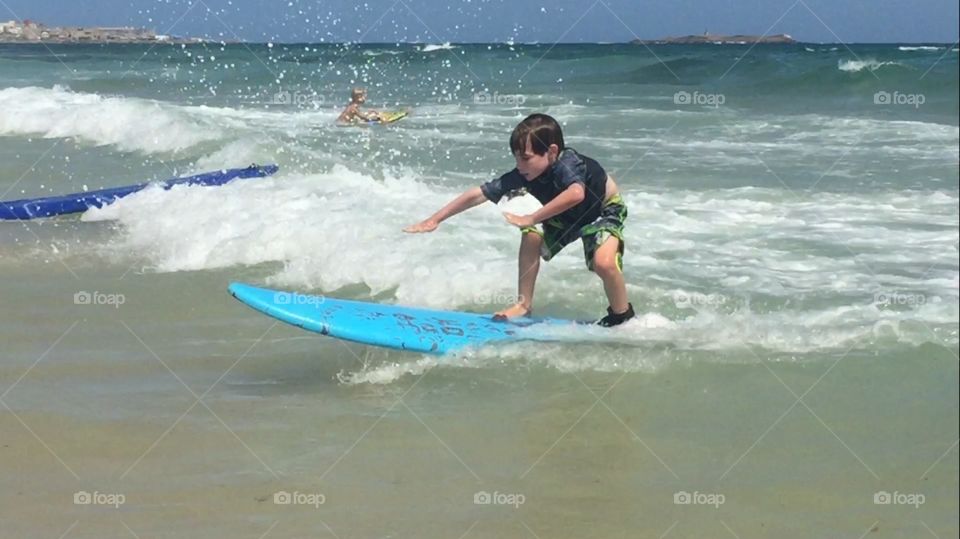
[[606, 264], [531, 235]]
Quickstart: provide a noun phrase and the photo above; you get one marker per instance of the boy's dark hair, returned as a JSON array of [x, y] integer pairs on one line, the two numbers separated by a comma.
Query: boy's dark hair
[[540, 130]]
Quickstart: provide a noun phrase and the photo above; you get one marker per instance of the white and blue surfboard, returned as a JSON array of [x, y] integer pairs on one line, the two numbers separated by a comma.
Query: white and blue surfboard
[[389, 326]]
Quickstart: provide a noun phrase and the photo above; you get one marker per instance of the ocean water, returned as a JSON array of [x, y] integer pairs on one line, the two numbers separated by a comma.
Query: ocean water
[[792, 254]]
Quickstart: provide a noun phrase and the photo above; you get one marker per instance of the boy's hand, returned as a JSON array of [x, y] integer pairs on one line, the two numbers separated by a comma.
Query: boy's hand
[[427, 225], [520, 221]]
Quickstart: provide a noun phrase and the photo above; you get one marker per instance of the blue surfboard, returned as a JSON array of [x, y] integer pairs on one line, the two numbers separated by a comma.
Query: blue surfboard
[[32, 208], [390, 326]]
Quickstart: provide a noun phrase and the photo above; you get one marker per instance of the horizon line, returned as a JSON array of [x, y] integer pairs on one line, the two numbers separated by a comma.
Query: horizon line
[[453, 43]]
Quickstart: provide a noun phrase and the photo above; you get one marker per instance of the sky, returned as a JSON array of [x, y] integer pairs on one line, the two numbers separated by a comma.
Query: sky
[[522, 21]]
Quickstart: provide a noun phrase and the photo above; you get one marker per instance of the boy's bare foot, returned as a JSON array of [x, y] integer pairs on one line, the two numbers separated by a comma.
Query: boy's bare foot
[[514, 311]]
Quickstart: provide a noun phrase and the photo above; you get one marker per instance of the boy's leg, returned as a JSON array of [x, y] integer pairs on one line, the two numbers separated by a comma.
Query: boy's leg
[[606, 265], [528, 267], [603, 250]]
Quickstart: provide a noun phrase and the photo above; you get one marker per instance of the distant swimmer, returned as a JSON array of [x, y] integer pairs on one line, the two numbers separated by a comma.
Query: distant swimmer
[[351, 114]]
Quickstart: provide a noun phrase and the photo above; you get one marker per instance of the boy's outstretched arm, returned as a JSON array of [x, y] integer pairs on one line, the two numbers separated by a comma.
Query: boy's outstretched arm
[[470, 198]]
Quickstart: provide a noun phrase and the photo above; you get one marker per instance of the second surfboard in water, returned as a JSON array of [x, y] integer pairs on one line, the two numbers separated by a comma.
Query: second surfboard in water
[[34, 208]]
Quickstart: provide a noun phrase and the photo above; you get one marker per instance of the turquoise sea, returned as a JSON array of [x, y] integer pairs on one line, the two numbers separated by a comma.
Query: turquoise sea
[[792, 254]]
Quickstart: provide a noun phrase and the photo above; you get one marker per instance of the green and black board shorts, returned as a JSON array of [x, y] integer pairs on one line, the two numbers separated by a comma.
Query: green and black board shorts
[[609, 223]]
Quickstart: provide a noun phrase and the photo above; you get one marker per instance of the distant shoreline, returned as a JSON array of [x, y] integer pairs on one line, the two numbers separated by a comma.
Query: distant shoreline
[[171, 41], [28, 31], [202, 41]]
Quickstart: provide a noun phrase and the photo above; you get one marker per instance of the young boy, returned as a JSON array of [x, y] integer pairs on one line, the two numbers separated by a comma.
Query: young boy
[[579, 202], [352, 113]]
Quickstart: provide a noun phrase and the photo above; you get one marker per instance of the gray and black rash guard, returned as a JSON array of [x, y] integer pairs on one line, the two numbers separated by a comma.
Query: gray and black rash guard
[[569, 168]]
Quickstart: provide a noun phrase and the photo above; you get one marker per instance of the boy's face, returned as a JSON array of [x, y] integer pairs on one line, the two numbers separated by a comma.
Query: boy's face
[[531, 165], [360, 97]]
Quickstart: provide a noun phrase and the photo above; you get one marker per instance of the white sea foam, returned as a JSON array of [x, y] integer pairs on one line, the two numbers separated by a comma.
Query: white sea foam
[[381, 53], [652, 342], [142, 125], [854, 66], [129, 124], [435, 47]]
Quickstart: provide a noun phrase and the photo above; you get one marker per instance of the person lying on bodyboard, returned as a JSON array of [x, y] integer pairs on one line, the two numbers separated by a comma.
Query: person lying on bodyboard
[[352, 113]]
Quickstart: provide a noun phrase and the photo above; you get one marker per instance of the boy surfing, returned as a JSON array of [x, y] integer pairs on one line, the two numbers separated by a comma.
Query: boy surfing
[[580, 201]]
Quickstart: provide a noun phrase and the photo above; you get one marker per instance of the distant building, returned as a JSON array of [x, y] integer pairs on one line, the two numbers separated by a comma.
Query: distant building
[[31, 31], [79, 34], [11, 27]]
